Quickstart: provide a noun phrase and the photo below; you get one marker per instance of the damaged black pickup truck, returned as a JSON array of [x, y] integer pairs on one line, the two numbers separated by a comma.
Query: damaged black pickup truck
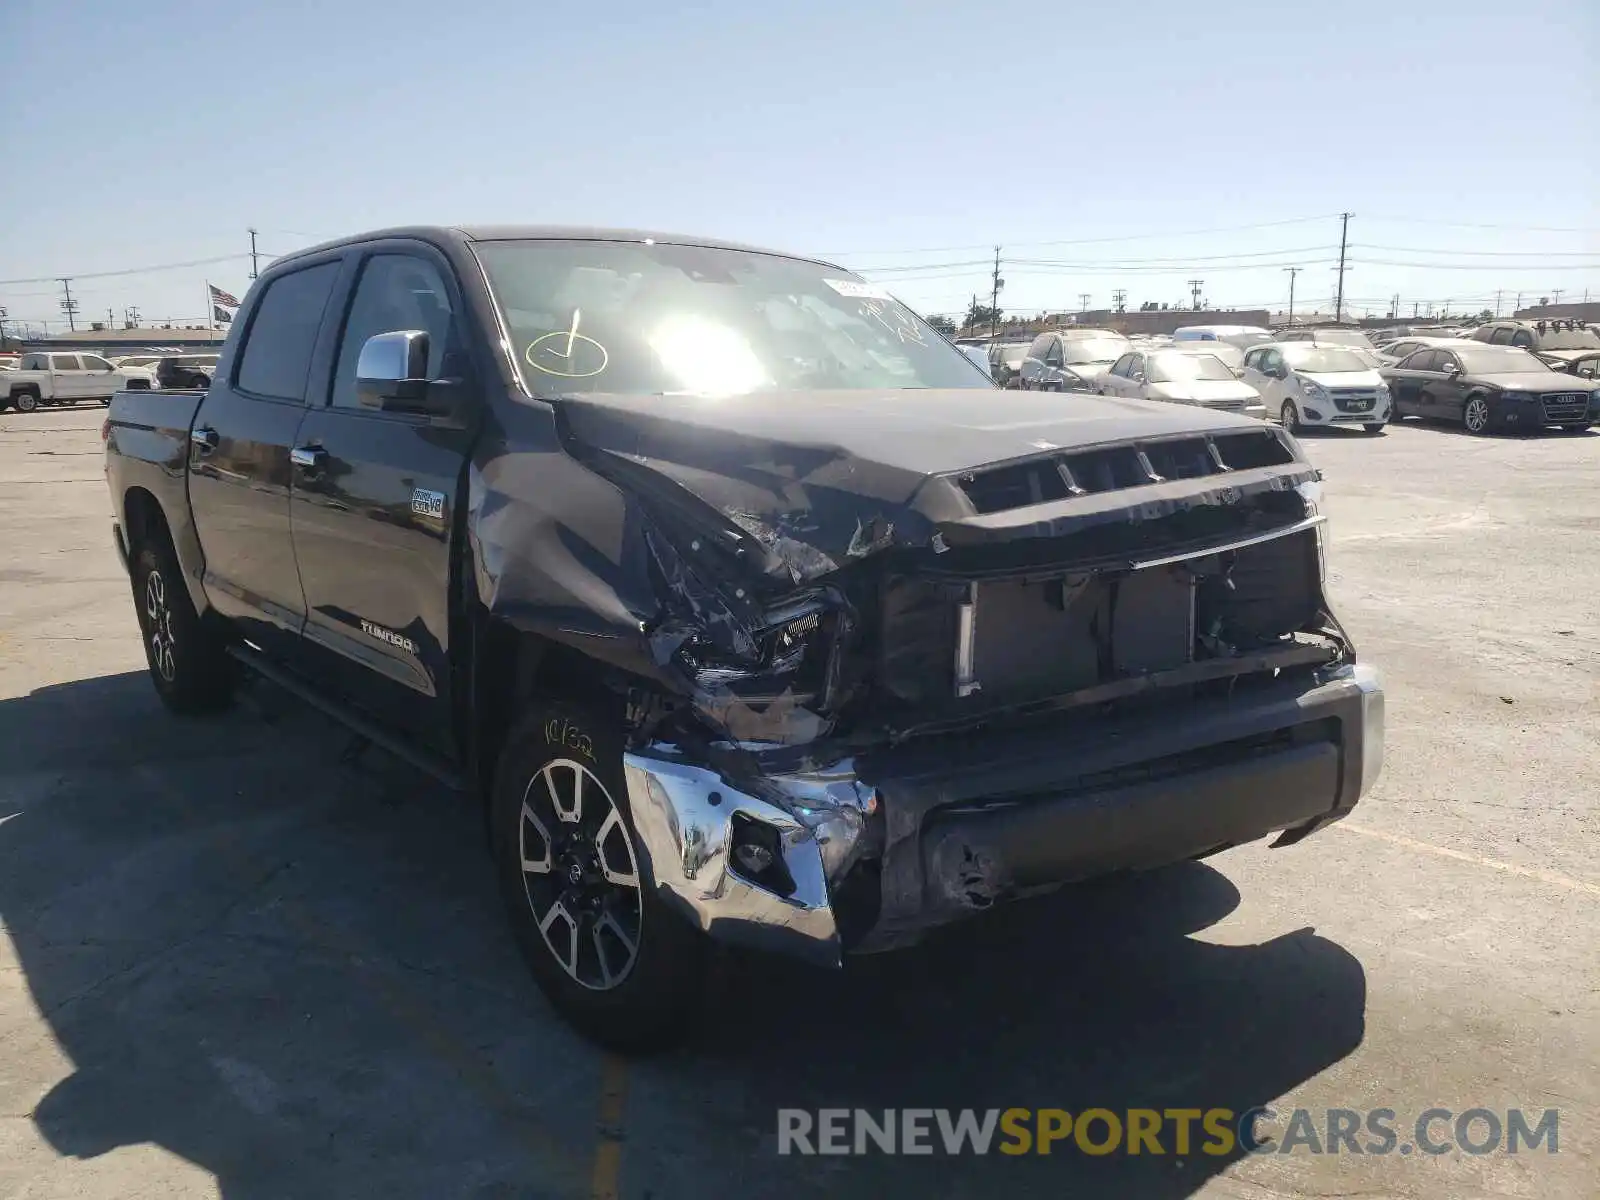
[[752, 610]]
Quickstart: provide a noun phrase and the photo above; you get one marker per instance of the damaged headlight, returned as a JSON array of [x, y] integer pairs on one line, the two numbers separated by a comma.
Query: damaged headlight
[[793, 645]]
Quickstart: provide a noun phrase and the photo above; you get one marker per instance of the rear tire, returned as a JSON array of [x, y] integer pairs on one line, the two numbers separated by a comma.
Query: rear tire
[[1374, 429], [189, 665], [612, 959]]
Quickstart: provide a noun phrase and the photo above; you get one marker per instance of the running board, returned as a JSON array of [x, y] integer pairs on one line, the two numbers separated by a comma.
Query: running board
[[365, 727]]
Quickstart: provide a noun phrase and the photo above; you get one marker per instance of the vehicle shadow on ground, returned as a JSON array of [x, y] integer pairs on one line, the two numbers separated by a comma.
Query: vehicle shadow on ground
[[294, 973], [1095, 997], [1455, 429]]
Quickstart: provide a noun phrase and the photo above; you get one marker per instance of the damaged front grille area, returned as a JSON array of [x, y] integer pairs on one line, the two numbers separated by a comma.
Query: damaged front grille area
[[1117, 468], [1049, 635]]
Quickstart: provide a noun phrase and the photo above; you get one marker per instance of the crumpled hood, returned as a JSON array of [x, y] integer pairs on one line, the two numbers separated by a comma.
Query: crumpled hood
[[820, 478]]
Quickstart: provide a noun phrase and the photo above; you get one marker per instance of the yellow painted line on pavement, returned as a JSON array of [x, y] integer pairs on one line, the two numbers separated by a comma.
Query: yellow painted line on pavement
[[606, 1174], [1494, 864]]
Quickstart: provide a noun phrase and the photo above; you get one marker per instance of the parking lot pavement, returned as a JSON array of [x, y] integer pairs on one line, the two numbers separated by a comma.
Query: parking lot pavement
[[237, 959]]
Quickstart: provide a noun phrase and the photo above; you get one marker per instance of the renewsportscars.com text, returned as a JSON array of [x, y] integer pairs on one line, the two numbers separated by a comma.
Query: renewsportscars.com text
[[1176, 1131]]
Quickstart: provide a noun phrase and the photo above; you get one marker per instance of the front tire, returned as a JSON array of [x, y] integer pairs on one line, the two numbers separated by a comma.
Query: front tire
[[1289, 417], [608, 954], [1374, 428], [188, 663], [1476, 415], [26, 401]]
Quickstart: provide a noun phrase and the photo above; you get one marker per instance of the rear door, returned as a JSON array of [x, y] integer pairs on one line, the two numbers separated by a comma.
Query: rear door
[[239, 473], [1405, 382], [375, 498], [66, 377]]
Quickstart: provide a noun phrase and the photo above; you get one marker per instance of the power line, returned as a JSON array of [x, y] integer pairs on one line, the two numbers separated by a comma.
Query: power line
[[1130, 237], [1473, 225], [1481, 253], [176, 266]]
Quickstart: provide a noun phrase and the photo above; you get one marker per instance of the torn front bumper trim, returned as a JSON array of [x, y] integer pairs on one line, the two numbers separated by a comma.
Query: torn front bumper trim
[[689, 820], [951, 828]]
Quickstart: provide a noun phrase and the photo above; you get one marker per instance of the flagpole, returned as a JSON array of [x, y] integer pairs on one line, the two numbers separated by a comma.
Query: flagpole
[[211, 317]]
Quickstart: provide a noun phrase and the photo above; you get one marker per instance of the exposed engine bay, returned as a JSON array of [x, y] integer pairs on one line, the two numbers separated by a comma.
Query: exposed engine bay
[[1161, 567]]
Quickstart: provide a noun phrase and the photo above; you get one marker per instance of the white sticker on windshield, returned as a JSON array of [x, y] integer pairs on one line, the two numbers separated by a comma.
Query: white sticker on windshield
[[857, 290]]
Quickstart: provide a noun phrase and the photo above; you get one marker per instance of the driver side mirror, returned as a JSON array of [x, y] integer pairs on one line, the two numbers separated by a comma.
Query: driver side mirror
[[1452, 368], [392, 375]]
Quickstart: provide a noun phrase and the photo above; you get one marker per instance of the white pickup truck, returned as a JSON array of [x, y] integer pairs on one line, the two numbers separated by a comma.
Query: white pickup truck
[[52, 378]]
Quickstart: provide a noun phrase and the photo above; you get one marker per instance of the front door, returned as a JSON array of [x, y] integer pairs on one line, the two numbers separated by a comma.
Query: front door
[[376, 496], [99, 379], [239, 473], [1450, 394]]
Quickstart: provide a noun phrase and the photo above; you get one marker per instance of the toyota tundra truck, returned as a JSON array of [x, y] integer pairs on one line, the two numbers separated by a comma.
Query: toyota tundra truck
[[747, 607]]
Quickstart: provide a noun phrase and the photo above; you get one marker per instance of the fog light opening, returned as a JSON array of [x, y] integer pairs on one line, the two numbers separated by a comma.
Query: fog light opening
[[756, 854]]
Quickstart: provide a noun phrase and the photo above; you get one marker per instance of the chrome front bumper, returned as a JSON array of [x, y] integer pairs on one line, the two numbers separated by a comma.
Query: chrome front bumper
[[948, 830]]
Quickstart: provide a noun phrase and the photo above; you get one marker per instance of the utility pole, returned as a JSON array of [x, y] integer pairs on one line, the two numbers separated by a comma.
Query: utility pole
[[1194, 289], [1514, 311], [1499, 292], [253, 255], [1293, 271], [1394, 308], [69, 305], [1344, 230], [994, 296], [131, 314], [1083, 302], [1415, 304], [111, 319], [1556, 292], [1119, 299]]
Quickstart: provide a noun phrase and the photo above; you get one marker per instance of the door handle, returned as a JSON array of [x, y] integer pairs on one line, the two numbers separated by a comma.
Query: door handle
[[307, 457], [203, 439]]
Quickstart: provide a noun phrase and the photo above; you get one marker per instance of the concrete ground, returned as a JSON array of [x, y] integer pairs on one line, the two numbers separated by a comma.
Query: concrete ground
[[236, 962]]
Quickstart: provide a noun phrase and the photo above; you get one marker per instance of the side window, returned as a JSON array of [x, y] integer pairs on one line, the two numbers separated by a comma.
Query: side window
[[93, 362], [1522, 338], [1135, 366], [1041, 345], [277, 349], [34, 362], [1501, 336], [1425, 360], [396, 292], [1053, 354], [1120, 367], [1253, 359], [65, 362]]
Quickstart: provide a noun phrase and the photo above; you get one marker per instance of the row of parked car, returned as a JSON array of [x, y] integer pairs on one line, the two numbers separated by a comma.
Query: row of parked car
[[1506, 375], [41, 378]]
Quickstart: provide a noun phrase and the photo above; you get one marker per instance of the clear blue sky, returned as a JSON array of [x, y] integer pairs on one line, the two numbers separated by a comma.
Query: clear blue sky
[[879, 133]]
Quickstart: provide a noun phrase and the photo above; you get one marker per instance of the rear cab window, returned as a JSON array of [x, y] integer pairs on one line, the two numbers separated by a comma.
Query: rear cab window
[[275, 359]]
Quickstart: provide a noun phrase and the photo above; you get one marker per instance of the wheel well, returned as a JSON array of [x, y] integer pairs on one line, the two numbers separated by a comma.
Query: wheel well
[[19, 389], [142, 518], [513, 668]]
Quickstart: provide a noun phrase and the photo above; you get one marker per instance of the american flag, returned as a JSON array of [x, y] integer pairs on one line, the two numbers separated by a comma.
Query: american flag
[[222, 297]]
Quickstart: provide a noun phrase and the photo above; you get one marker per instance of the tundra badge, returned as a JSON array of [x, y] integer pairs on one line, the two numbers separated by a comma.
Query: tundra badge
[[425, 502]]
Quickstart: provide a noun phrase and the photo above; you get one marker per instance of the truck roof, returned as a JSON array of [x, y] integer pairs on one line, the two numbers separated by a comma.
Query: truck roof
[[510, 233]]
